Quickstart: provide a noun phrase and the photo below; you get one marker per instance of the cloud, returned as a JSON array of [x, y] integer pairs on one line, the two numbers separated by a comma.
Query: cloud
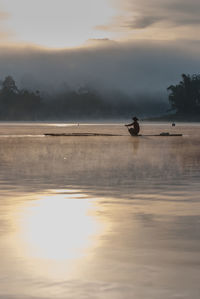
[[141, 22], [99, 42], [135, 14], [3, 15], [4, 33]]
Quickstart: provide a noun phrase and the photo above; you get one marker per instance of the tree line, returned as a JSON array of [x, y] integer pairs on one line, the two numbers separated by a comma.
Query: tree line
[[83, 103], [16, 103], [23, 104], [184, 97]]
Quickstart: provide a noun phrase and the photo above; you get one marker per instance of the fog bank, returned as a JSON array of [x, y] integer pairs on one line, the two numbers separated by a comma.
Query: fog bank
[[131, 68]]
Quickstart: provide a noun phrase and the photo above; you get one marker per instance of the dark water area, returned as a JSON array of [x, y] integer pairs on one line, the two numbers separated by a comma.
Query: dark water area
[[99, 216]]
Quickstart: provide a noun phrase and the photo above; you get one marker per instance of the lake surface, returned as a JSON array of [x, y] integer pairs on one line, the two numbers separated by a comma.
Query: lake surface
[[99, 217]]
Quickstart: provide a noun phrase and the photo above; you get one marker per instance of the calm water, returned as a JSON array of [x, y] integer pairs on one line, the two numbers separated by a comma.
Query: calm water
[[99, 217]]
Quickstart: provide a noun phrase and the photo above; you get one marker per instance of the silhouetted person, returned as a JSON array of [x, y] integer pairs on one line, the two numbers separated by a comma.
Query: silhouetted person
[[135, 129]]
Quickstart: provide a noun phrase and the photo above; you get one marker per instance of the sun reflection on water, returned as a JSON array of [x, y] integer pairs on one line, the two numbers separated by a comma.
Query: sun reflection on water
[[59, 230]]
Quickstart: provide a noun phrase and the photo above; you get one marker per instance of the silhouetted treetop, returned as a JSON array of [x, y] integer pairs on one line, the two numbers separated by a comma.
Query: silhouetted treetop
[[185, 96], [18, 104], [9, 85]]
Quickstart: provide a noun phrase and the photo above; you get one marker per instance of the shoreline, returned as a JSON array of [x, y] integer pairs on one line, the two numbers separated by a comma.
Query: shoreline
[[174, 118]]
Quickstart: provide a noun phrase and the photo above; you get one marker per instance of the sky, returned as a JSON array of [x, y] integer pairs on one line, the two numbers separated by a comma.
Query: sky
[[55, 23], [70, 23], [124, 44]]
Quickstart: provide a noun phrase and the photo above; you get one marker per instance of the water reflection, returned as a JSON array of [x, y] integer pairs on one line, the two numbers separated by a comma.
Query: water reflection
[[56, 231], [136, 143], [134, 235]]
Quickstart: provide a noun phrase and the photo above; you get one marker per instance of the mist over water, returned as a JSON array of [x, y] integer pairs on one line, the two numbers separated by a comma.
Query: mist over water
[[140, 67], [99, 217], [107, 79]]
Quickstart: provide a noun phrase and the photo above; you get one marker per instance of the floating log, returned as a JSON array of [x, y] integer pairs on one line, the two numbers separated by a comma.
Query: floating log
[[102, 134]]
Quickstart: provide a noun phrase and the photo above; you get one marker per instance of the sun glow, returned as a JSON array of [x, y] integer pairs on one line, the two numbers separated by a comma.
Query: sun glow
[[59, 228], [57, 23], [57, 232]]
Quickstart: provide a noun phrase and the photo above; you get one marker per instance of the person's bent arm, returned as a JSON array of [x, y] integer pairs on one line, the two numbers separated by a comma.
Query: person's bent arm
[[129, 125]]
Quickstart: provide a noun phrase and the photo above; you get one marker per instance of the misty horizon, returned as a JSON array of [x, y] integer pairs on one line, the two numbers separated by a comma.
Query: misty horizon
[[131, 68], [134, 75]]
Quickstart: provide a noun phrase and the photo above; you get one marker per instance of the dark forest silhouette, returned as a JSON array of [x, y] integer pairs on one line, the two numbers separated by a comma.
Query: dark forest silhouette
[[84, 103], [18, 104], [22, 104], [184, 97]]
